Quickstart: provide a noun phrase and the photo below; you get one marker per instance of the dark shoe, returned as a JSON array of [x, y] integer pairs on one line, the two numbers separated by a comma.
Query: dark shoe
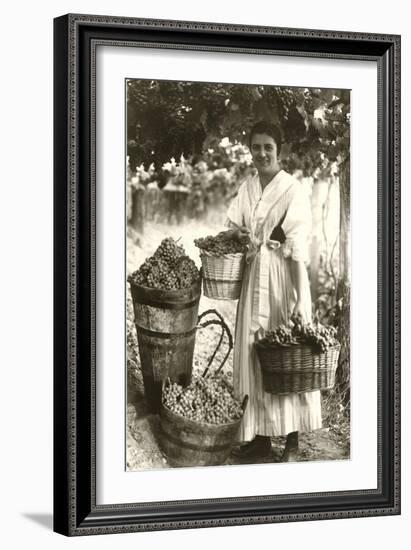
[[258, 447], [290, 453]]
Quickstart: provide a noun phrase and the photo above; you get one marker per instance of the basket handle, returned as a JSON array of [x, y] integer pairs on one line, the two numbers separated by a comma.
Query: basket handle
[[225, 330]]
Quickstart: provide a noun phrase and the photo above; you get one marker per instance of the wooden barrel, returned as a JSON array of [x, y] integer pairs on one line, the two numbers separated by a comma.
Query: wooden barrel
[[189, 443], [166, 323]]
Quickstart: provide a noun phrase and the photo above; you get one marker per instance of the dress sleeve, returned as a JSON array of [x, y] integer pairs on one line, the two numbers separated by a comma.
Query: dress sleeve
[[297, 226], [235, 212]]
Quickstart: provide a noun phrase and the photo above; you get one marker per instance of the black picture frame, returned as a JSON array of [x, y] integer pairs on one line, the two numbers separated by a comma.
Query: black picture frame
[[75, 40]]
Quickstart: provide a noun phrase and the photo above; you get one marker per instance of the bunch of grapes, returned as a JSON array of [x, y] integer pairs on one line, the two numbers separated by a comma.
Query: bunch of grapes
[[219, 245], [319, 336], [186, 271], [169, 268], [281, 336], [169, 251], [315, 335], [207, 399]]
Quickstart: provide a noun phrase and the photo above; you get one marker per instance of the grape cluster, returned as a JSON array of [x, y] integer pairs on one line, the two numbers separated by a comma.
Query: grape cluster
[[207, 399], [219, 245], [319, 336], [285, 98], [169, 250], [169, 268], [316, 335], [281, 336]]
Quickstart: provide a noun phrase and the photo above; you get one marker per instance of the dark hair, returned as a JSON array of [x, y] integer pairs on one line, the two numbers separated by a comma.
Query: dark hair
[[272, 130]]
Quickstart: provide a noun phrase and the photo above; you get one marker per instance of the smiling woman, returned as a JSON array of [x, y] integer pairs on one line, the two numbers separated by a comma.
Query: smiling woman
[[265, 147], [275, 287]]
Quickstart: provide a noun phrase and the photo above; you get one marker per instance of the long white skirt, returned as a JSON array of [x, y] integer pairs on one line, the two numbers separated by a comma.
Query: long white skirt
[[268, 414]]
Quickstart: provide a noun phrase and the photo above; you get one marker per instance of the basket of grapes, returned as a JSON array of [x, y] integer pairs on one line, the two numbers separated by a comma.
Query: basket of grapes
[[298, 357], [200, 422], [223, 263]]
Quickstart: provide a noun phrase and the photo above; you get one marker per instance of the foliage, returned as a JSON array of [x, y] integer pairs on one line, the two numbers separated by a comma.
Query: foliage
[[195, 189], [168, 119]]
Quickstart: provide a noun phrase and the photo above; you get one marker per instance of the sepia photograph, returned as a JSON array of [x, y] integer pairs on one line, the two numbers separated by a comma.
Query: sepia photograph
[[238, 274]]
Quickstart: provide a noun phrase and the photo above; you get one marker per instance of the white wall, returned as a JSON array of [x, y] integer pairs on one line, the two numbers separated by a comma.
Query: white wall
[[26, 270]]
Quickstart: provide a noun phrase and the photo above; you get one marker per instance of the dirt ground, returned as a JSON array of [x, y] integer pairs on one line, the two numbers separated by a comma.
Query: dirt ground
[[143, 427], [143, 437]]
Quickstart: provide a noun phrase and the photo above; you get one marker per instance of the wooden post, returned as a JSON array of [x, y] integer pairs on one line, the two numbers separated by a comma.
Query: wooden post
[[343, 291], [138, 208], [317, 200]]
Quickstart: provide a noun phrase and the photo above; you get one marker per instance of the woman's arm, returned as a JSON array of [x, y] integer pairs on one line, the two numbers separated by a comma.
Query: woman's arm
[[299, 278]]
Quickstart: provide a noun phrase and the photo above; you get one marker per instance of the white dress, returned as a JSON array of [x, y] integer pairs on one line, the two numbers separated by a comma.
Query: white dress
[[267, 300]]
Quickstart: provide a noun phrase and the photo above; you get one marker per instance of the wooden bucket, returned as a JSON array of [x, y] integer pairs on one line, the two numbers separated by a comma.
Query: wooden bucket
[[166, 327], [189, 443]]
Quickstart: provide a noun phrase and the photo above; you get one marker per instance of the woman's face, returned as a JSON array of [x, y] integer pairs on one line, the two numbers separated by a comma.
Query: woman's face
[[264, 153]]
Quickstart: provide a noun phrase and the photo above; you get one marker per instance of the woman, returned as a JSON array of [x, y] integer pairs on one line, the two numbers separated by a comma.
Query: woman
[[275, 286]]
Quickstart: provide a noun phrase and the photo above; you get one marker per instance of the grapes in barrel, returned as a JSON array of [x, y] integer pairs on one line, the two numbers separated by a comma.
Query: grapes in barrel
[[169, 268], [207, 399]]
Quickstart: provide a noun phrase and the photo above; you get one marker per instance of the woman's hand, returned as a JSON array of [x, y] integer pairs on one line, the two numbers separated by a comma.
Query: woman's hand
[[242, 235], [299, 310], [227, 235]]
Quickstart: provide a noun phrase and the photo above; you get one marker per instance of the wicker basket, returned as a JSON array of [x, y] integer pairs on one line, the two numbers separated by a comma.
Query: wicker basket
[[222, 275], [296, 368]]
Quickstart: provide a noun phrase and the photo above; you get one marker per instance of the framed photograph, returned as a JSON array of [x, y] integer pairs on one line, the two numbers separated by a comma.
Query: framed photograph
[[227, 275]]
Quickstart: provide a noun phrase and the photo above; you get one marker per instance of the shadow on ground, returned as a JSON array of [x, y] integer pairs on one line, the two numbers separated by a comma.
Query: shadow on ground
[[45, 520]]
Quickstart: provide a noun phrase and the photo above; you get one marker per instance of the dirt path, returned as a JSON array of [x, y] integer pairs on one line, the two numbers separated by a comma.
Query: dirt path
[[143, 436], [143, 451]]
